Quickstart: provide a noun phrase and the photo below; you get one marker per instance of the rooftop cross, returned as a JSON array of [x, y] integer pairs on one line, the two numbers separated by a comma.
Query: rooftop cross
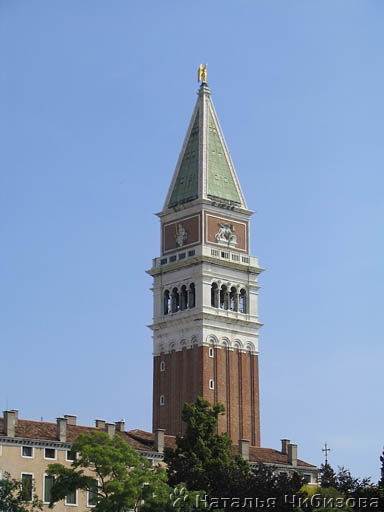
[[326, 450]]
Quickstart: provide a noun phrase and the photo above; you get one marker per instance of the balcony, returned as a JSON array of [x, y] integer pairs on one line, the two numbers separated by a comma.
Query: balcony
[[208, 251]]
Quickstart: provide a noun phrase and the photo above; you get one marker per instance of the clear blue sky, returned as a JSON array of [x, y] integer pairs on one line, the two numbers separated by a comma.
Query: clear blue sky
[[95, 99]]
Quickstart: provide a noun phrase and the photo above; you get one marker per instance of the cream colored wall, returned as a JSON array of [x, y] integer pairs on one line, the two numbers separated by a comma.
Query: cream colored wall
[[13, 463]]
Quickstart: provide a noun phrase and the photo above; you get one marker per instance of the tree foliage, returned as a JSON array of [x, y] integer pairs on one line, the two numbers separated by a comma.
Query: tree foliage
[[327, 476], [123, 477], [203, 459], [12, 497], [381, 481], [353, 490]]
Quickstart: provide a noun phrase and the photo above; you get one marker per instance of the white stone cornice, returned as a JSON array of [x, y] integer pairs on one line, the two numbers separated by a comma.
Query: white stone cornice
[[38, 443]]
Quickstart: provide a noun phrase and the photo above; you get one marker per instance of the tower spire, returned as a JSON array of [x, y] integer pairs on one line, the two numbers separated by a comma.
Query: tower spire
[[204, 169]]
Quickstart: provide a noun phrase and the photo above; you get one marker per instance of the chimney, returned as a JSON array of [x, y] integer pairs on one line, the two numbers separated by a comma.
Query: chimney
[[61, 429], [120, 425], [16, 412], [159, 440], [10, 422], [100, 424], [110, 429], [292, 454], [71, 420], [284, 446], [244, 448]]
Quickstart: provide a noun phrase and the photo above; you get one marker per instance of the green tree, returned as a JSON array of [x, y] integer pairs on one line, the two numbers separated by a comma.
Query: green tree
[[327, 476], [273, 489], [381, 481], [13, 499], [324, 499], [203, 458], [117, 476], [178, 500], [347, 484]]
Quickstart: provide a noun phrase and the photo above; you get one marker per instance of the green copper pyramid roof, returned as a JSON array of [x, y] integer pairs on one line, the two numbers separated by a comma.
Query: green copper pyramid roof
[[186, 186], [221, 183], [204, 169]]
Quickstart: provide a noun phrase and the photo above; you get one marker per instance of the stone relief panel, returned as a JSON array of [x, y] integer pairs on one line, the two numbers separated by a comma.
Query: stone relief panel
[[225, 232], [184, 232]]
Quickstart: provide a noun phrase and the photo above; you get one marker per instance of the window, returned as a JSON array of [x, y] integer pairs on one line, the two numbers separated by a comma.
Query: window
[[191, 253], [163, 261], [167, 302], [92, 495], [71, 498], [182, 256], [233, 299], [211, 384], [49, 453], [223, 297], [162, 400], [183, 298], [211, 352], [285, 473], [48, 483], [172, 259], [243, 301], [192, 296], [71, 456], [162, 366], [27, 486], [175, 300], [307, 478], [214, 295], [27, 451]]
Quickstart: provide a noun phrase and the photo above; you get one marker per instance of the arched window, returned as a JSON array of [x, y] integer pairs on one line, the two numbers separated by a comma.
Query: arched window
[[192, 296], [175, 300], [233, 299], [214, 295], [167, 302], [243, 301], [183, 298], [224, 297], [162, 399]]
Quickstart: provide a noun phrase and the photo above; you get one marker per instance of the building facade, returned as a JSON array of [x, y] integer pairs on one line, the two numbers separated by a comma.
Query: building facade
[[28, 447], [205, 288]]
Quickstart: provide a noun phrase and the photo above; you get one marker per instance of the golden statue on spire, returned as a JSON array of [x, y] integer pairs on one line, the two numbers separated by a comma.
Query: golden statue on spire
[[202, 74]]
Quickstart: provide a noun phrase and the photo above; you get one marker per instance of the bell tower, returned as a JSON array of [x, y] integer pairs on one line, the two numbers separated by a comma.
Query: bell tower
[[205, 287]]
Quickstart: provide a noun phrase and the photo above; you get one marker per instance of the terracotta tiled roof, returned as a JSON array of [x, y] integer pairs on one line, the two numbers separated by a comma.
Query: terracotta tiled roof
[[270, 456], [148, 438], [139, 440]]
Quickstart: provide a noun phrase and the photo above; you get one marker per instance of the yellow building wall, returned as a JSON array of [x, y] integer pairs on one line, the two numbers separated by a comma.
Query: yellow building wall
[[12, 462]]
